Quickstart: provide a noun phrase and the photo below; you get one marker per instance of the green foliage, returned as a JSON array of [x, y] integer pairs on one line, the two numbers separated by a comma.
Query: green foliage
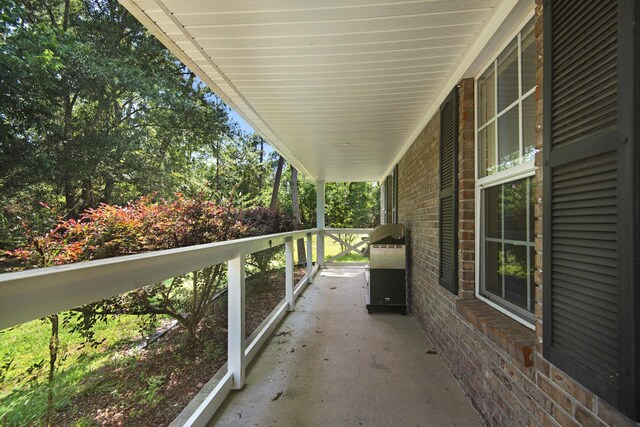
[[23, 389], [352, 204], [261, 221], [94, 109], [149, 394], [148, 225]]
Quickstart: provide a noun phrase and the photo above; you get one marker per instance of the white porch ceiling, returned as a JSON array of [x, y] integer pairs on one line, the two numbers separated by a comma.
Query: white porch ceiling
[[339, 87]]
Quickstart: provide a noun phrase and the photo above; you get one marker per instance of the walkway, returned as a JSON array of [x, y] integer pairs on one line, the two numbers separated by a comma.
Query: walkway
[[332, 364]]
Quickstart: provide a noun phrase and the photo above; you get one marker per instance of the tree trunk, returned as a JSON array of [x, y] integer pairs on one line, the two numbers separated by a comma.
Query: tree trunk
[[69, 191], [108, 190], [54, 344], [297, 222], [276, 184], [217, 178], [87, 195], [69, 196], [261, 161]]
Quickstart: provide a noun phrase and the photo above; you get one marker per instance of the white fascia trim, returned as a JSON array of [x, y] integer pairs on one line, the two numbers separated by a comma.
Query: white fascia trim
[[151, 26], [476, 49]]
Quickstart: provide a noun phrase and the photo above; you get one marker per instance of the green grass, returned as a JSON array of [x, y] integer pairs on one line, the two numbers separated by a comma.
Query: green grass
[[24, 359], [23, 389], [332, 248]]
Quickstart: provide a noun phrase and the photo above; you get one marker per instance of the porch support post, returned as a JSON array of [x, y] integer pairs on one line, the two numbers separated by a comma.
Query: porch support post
[[309, 259], [288, 255], [236, 315], [320, 226]]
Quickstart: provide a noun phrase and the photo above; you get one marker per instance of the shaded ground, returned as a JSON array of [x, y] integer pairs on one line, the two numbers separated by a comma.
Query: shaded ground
[[336, 365], [129, 389]]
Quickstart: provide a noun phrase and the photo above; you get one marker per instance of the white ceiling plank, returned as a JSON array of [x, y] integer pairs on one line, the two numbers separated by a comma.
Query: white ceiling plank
[[338, 86], [323, 12], [311, 28]]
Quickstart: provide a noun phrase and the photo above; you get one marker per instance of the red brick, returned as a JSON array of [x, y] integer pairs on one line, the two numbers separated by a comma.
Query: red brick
[[571, 387], [610, 416], [555, 393], [586, 418]]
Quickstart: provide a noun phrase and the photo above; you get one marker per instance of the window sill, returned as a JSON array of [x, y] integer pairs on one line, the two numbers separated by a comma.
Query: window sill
[[515, 339]]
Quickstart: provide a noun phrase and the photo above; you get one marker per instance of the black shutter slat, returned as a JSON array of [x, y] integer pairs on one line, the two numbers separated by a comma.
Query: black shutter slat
[[584, 99], [581, 275], [448, 192], [588, 225], [587, 286], [575, 236], [575, 254], [594, 252]]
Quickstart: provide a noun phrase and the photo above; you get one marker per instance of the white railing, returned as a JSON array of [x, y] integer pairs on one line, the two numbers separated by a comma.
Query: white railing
[[348, 246], [32, 294]]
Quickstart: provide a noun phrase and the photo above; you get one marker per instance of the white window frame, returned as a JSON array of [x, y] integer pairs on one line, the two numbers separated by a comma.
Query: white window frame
[[520, 171]]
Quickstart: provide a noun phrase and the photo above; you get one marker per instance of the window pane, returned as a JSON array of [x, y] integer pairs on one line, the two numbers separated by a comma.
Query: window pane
[[493, 212], [508, 139], [508, 75], [515, 271], [493, 276], [487, 96], [528, 50], [529, 127], [509, 255], [514, 210], [487, 155]]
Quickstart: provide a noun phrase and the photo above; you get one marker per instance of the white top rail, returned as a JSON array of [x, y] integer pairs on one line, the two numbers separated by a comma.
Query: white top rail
[[348, 230], [32, 294]]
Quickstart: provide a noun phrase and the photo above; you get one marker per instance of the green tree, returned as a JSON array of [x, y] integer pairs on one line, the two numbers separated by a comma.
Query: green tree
[[94, 109]]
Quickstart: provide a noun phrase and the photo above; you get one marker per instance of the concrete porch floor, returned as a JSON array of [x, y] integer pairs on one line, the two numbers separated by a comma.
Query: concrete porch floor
[[331, 364]]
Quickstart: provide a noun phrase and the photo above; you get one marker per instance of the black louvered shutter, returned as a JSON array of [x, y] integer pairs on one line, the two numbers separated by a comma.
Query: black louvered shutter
[[449, 192], [394, 202], [590, 286], [389, 188]]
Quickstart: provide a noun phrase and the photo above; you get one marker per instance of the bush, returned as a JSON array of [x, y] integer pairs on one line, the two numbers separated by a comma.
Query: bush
[[260, 221], [148, 225]]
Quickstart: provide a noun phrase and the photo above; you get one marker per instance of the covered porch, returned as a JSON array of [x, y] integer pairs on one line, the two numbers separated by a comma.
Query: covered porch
[[442, 103], [331, 363]]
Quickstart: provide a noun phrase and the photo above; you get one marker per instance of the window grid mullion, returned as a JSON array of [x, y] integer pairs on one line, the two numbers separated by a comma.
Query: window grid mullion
[[516, 171], [528, 225], [495, 108], [502, 261], [507, 108], [520, 133]]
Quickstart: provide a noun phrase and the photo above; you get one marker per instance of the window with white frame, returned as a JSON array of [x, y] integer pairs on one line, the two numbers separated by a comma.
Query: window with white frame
[[505, 151]]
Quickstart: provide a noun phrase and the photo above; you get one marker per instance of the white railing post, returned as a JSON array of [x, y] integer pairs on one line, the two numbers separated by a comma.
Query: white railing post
[[309, 259], [288, 255], [320, 220], [236, 319]]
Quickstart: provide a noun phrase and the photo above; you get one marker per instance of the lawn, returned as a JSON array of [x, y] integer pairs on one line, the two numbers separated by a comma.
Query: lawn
[[116, 381], [332, 248], [24, 355]]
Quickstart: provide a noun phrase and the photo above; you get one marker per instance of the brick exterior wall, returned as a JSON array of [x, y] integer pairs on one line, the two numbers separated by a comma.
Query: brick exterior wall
[[418, 191], [466, 191], [497, 362]]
